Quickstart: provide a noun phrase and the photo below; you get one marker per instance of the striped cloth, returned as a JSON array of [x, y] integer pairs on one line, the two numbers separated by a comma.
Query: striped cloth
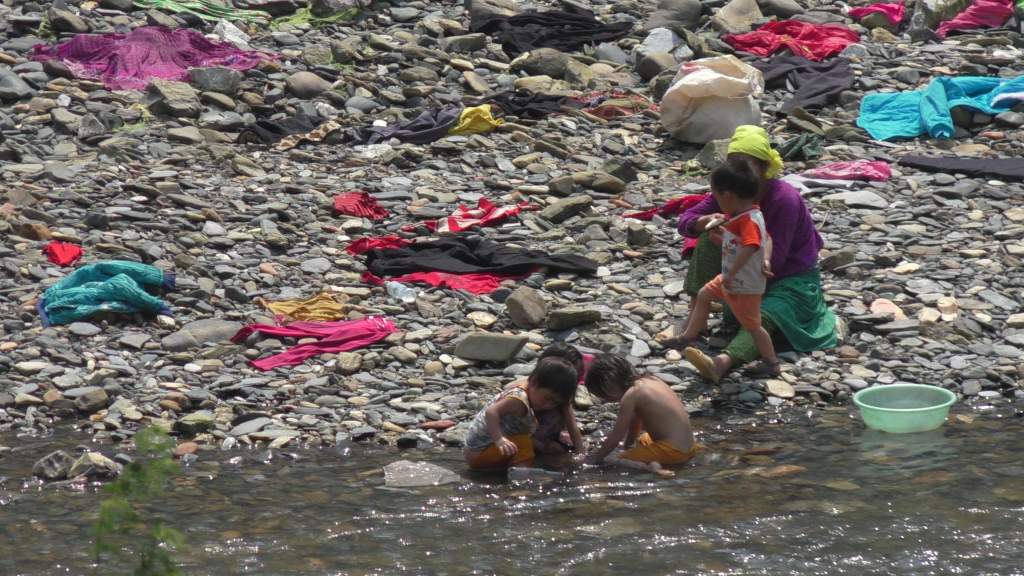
[[359, 203]]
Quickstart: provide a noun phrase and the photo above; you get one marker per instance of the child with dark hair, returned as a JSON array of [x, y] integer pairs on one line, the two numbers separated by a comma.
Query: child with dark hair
[[650, 414], [557, 431], [746, 253], [501, 435]]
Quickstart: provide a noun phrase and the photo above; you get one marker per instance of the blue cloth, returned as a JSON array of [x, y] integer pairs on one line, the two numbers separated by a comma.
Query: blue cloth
[[111, 286], [909, 114]]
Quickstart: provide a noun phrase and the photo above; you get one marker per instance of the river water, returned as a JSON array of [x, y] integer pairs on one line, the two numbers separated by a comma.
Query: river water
[[811, 493]]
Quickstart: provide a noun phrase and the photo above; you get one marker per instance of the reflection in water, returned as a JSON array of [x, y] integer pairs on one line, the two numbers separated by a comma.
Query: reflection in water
[[810, 493]]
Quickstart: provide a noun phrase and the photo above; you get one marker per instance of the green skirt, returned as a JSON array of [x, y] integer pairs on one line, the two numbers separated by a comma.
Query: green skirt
[[793, 307]]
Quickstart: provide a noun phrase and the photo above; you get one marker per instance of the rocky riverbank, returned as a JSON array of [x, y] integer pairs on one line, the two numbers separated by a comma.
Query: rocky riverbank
[[924, 268]]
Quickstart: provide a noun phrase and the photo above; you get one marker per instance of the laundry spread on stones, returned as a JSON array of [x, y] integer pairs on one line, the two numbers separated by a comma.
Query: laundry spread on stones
[[359, 203], [486, 213], [814, 84], [980, 14], [332, 337], [893, 11], [559, 29], [110, 286], [130, 61], [812, 41], [322, 307], [870, 170], [62, 253]]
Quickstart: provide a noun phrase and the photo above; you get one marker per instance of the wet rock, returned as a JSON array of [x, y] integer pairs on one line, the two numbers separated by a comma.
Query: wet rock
[[195, 423], [407, 474], [94, 465], [91, 399], [489, 347], [526, 307], [53, 466]]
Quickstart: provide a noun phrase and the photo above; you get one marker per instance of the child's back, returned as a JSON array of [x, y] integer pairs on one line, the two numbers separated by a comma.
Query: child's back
[[662, 413]]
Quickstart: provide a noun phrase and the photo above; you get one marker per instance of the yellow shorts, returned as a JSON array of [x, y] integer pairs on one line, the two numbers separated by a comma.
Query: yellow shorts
[[648, 450], [491, 458]]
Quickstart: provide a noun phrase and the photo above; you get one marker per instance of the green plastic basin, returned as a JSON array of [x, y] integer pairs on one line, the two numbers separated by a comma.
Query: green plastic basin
[[903, 408]]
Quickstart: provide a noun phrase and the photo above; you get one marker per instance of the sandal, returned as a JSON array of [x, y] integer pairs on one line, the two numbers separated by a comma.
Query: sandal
[[763, 369], [704, 364]]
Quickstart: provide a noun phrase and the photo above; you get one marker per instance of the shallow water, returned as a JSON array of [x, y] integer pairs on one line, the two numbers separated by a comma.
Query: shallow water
[[944, 502]]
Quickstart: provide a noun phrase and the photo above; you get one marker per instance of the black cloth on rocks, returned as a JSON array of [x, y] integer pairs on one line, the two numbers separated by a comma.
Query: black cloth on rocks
[[1009, 168], [562, 30], [430, 126], [470, 255], [271, 131], [526, 104], [814, 84]]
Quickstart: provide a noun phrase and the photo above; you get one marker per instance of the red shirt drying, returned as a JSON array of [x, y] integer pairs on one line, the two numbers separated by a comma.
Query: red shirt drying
[[812, 41]]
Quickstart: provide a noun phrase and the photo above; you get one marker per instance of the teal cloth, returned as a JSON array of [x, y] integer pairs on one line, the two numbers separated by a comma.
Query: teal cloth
[[909, 114], [111, 286]]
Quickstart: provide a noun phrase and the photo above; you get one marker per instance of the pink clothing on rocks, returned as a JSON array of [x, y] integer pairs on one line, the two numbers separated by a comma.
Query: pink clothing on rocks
[[341, 336]]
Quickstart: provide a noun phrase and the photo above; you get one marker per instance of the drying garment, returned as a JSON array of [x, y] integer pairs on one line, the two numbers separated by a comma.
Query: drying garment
[[1008, 168], [110, 286], [472, 283], [468, 255], [909, 114], [304, 16], [673, 207], [813, 41], [323, 306], [893, 12], [525, 104], [204, 9], [562, 30], [130, 61], [316, 135], [272, 131], [359, 203], [62, 253], [814, 84], [980, 14], [363, 245], [475, 120], [485, 214], [753, 141], [333, 337], [615, 104], [871, 170], [804, 147], [430, 126]]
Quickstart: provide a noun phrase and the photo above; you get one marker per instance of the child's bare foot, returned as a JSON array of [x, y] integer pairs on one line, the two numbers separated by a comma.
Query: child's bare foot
[[763, 369], [704, 364]]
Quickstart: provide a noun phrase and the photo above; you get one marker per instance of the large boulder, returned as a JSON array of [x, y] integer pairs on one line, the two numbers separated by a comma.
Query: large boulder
[[12, 87], [737, 17], [53, 466], [326, 8], [490, 347], [542, 62], [216, 79], [781, 8], [937, 11], [199, 332], [481, 10], [176, 99], [675, 13], [66, 21], [94, 465], [306, 85], [526, 307]]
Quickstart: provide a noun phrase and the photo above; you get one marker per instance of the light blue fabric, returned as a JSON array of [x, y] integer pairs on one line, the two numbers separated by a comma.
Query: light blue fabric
[[909, 114], [112, 286]]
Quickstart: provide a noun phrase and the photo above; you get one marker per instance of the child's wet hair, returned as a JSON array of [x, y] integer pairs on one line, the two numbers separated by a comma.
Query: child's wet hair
[[567, 351], [736, 175], [556, 375], [609, 372]]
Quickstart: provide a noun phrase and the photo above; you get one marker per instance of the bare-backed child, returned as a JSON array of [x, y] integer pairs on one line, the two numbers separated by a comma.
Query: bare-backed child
[[651, 416], [501, 434]]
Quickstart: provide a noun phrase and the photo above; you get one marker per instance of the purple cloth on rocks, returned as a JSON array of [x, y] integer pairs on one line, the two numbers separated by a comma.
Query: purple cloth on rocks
[[130, 61], [795, 240]]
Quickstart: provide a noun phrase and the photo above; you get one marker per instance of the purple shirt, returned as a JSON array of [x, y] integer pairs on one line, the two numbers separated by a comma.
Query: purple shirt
[[795, 240]]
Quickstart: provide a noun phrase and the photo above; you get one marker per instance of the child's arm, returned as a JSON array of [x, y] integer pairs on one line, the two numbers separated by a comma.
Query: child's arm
[[493, 414], [768, 256], [634, 432], [742, 255], [627, 410], [573, 428]]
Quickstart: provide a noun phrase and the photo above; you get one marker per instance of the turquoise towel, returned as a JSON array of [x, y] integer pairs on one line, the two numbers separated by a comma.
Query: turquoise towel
[[112, 286], [909, 114]]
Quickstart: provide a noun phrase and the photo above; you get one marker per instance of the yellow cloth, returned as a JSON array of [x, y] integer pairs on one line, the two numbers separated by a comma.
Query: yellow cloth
[[476, 120], [649, 450], [753, 140], [323, 306]]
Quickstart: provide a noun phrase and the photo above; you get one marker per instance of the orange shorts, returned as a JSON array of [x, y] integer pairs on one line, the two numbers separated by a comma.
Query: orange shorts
[[745, 307], [648, 450], [491, 458]]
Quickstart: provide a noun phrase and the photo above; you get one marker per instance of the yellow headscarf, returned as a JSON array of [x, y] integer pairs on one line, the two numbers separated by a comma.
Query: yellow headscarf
[[753, 140]]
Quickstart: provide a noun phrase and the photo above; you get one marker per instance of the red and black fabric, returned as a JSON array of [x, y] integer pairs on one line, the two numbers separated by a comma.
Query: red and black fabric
[[359, 203], [812, 41], [470, 255], [62, 253], [363, 245], [673, 207]]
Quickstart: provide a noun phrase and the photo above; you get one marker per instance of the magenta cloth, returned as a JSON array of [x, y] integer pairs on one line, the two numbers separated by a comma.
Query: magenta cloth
[[876, 170], [894, 12], [130, 61], [341, 336], [359, 203], [472, 283], [367, 243], [812, 41], [673, 207], [980, 14], [795, 240]]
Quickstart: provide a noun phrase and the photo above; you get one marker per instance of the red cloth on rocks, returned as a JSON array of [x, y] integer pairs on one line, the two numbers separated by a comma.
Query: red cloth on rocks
[[359, 203], [812, 41], [130, 61], [853, 170], [894, 12], [980, 14], [673, 207], [341, 336], [62, 253], [365, 244], [485, 214], [472, 283]]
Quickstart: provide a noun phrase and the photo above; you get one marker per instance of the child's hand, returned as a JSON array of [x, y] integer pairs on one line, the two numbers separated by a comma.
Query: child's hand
[[506, 447], [727, 282]]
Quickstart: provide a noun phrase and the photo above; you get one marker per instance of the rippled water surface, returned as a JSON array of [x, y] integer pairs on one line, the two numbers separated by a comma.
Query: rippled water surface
[[815, 494]]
